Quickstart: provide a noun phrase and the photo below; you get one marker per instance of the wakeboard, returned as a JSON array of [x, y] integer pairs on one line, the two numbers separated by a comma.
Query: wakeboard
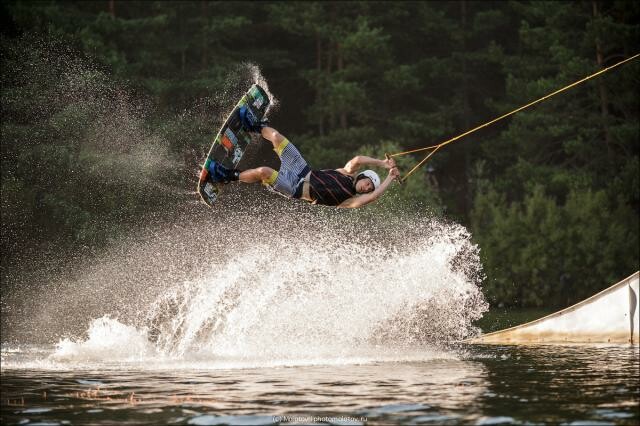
[[231, 141]]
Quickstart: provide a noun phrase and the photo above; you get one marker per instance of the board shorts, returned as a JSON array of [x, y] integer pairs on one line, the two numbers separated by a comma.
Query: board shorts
[[293, 169]]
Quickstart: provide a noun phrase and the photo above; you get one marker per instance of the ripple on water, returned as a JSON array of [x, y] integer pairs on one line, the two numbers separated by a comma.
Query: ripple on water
[[89, 382], [612, 414], [208, 420], [398, 408], [36, 410], [499, 420], [436, 419]]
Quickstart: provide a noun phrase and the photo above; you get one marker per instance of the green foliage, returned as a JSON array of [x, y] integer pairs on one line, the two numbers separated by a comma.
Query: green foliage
[[535, 249], [554, 212], [552, 195]]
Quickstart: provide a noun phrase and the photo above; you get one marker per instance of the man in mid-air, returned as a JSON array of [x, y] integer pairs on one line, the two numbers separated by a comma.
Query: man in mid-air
[[346, 187]]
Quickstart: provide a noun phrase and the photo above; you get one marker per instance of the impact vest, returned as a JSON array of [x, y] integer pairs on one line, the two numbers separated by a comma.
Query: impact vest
[[330, 187]]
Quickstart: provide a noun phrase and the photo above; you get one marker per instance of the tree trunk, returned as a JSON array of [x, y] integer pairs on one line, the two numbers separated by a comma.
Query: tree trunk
[[340, 67], [329, 67], [205, 45], [183, 53], [112, 8], [468, 193], [602, 90], [318, 83]]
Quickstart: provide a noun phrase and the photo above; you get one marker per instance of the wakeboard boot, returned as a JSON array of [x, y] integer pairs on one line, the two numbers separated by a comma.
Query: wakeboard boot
[[220, 174], [249, 121]]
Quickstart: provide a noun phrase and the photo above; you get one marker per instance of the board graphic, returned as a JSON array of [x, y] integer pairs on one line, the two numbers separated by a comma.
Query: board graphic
[[231, 141]]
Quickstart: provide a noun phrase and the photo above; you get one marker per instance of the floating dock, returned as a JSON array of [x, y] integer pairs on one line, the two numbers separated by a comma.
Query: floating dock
[[610, 316]]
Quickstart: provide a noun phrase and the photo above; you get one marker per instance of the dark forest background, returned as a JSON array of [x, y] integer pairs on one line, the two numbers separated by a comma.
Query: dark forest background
[[102, 100]]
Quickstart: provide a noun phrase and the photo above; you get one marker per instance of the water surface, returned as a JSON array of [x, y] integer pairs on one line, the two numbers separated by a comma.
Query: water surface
[[483, 385]]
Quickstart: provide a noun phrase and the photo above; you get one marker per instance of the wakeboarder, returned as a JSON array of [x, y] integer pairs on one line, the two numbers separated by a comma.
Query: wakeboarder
[[346, 187]]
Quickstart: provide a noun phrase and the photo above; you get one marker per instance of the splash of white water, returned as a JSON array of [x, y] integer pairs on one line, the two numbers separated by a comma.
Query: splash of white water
[[108, 339], [308, 297]]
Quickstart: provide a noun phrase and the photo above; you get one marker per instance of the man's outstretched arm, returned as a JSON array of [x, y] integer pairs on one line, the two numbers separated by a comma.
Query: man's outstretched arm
[[362, 160], [364, 199]]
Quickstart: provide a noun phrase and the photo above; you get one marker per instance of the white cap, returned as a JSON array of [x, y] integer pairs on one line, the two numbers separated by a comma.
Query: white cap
[[375, 179]]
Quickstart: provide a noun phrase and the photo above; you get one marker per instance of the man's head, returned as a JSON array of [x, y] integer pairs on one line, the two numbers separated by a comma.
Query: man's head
[[366, 181]]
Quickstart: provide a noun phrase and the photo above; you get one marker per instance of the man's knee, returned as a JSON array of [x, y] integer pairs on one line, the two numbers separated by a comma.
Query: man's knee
[[272, 135], [268, 176], [265, 172]]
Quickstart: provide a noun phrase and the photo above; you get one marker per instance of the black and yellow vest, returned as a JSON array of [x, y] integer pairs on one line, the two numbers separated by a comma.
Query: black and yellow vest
[[330, 187]]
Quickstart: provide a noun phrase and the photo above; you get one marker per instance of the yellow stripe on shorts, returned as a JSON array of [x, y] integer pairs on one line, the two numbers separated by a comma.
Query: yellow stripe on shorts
[[281, 147], [272, 179]]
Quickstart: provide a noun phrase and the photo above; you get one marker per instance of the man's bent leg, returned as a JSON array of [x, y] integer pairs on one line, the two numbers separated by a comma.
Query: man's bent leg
[[293, 168], [262, 174], [273, 136]]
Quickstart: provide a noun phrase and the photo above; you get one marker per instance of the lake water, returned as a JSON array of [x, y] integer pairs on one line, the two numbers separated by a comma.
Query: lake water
[[580, 384], [293, 323]]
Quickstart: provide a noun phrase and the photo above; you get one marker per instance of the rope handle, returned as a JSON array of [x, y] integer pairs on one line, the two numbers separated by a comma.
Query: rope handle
[[388, 156]]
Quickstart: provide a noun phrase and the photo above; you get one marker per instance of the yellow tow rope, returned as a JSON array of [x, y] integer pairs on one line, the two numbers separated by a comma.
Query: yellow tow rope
[[435, 148]]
